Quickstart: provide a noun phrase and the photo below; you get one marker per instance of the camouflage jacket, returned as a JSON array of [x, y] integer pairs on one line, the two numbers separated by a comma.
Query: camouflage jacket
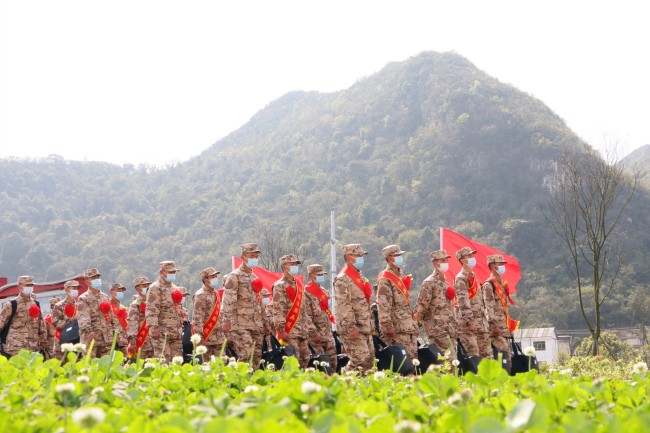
[[241, 305], [393, 307], [161, 313], [320, 319], [59, 319], [498, 317], [352, 308], [91, 319], [122, 340], [203, 305], [134, 321], [304, 327], [465, 313], [436, 313], [25, 331]]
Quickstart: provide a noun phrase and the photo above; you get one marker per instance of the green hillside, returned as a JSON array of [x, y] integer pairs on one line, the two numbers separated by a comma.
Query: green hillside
[[428, 142]]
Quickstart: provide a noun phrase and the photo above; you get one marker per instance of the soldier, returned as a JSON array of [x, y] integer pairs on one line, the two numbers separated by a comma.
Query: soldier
[[354, 323], [318, 310], [396, 318], [137, 331], [64, 313], [53, 334], [26, 328], [120, 320], [243, 317], [96, 322], [437, 305], [206, 312], [498, 295], [466, 288], [267, 304], [292, 325], [164, 313]]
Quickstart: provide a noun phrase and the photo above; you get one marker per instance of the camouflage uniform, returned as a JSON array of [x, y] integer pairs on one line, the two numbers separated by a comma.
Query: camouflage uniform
[[395, 311], [353, 311], [203, 305], [321, 321], [498, 319], [135, 318], [242, 309], [303, 328], [25, 332], [465, 312], [268, 308], [437, 314], [52, 343], [164, 317], [482, 310], [122, 339], [92, 320]]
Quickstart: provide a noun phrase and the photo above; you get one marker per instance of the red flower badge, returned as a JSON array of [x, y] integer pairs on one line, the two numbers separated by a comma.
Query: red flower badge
[[122, 314], [143, 308], [177, 296], [451, 293], [105, 308], [291, 292], [70, 310], [407, 280], [34, 311], [257, 285]]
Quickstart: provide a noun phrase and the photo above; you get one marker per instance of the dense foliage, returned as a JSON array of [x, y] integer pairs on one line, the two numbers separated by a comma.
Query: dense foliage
[[428, 142]]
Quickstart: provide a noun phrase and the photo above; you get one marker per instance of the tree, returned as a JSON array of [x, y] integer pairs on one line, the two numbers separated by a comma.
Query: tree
[[587, 197], [611, 347], [275, 243]]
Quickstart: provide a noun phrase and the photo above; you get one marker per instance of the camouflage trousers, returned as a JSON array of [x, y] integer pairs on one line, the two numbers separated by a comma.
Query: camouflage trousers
[[245, 343], [302, 350], [469, 342], [443, 342], [409, 341], [361, 351], [168, 348], [484, 345], [501, 343], [100, 347], [328, 347]]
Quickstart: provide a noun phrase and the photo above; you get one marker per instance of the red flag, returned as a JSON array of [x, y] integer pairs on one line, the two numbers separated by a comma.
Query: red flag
[[452, 242], [267, 277]]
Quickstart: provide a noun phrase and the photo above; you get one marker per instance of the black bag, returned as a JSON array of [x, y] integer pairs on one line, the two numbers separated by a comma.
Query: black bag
[[70, 334], [467, 363], [5, 330], [428, 354], [505, 361], [337, 343], [520, 362], [341, 361], [394, 357], [324, 364], [277, 352]]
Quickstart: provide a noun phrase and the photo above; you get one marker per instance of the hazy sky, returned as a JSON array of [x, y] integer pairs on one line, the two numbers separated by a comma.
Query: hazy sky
[[159, 81]]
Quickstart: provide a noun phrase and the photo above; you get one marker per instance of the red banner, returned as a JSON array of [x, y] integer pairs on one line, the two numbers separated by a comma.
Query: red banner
[[209, 324], [294, 312], [452, 242], [266, 277]]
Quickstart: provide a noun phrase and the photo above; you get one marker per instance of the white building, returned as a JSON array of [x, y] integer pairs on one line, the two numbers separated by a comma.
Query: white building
[[546, 344]]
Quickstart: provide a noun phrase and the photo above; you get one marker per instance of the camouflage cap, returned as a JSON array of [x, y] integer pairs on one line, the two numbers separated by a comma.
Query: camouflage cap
[[168, 266], [465, 251], [208, 272], [265, 292], [249, 248], [140, 281], [316, 269], [25, 279], [354, 249], [184, 291], [53, 301], [92, 272], [289, 258], [392, 250], [117, 286], [71, 283], [439, 254], [495, 258]]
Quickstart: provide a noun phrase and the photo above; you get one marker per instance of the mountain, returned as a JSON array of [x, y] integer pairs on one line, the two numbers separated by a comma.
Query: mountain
[[639, 158], [425, 143]]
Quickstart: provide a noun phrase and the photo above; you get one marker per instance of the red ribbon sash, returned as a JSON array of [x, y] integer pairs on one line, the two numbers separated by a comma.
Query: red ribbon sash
[[397, 281], [120, 317], [503, 297], [294, 311], [355, 276], [473, 286], [209, 325], [316, 291]]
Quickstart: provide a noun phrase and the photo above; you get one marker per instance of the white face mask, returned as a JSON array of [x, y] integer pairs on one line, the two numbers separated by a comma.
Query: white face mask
[[266, 301], [501, 269], [444, 267], [27, 291], [471, 262], [398, 261], [74, 293], [214, 282]]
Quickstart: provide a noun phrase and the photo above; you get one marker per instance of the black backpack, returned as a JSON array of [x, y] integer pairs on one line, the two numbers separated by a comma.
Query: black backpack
[[393, 358], [467, 363]]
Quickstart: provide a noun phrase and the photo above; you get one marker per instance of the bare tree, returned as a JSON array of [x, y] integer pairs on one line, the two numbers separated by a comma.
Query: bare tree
[[587, 198], [275, 243]]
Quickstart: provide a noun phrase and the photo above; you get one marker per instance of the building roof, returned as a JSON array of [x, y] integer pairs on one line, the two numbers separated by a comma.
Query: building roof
[[541, 333]]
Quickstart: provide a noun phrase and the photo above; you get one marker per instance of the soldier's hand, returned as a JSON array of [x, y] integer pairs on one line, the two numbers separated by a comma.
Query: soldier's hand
[[354, 334], [226, 327], [283, 336], [131, 348], [318, 338], [267, 330], [471, 328], [496, 332], [390, 332], [155, 335]]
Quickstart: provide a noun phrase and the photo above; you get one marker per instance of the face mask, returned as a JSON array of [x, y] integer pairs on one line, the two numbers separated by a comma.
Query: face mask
[[501, 269], [294, 269], [444, 267], [74, 293], [96, 283], [320, 279], [399, 261], [214, 282], [358, 262], [471, 262], [144, 291], [28, 290], [253, 263], [170, 278], [119, 295], [266, 301]]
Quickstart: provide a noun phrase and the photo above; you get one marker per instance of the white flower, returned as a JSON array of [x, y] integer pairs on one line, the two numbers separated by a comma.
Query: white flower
[[251, 388], [195, 339], [67, 347], [407, 426], [149, 365], [304, 408], [97, 390], [316, 363], [79, 347], [640, 367], [529, 351], [379, 375], [177, 360], [200, 350], [455, 399], [466, 394], [566, 371], [232, 360], [310, 387], [64, 388], [416, 362], [455, 363], [83, 379], [270, 367], [87, 417]]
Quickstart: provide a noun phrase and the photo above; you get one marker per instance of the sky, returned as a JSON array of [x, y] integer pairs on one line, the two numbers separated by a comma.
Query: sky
[[157, 82]]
